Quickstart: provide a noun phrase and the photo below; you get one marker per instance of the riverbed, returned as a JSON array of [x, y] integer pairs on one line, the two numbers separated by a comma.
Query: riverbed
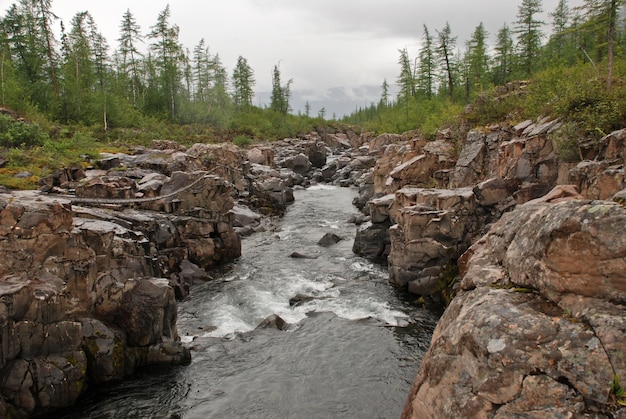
[[351, 347]]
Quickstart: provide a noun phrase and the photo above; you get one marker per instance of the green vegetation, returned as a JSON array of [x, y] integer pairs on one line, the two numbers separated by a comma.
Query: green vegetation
[[576, 75], [617, 392], [81, 96]]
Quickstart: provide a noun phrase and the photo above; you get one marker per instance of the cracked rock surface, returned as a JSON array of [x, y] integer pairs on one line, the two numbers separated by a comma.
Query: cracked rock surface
[[539, 327]]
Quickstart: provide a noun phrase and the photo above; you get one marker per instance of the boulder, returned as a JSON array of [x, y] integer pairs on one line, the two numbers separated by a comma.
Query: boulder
[[539, 317], [273, 321], [329, 239], [372, 240], [107, 187]]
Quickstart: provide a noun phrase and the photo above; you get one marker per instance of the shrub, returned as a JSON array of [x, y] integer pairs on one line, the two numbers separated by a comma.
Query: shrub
[[565, 142], [19, 133], [242, 141]]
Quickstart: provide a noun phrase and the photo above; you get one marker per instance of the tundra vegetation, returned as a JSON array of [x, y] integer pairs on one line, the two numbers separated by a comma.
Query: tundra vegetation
[[77, 93]]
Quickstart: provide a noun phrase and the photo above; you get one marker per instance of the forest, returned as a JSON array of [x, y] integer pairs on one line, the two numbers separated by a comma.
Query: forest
[[77, 93]]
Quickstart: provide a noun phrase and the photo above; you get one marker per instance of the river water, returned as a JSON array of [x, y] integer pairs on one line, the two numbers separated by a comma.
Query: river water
[[351, 349]]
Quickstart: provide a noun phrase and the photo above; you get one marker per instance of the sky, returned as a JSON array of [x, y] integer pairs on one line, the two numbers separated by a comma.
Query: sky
[[337, 52]]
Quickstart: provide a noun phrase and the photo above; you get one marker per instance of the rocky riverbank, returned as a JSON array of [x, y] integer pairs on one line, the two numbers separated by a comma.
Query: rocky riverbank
[[92, 265]]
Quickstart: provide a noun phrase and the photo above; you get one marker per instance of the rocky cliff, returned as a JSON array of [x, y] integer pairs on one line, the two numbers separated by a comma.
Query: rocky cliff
[[88, 295], [89, 281], [538, 327]]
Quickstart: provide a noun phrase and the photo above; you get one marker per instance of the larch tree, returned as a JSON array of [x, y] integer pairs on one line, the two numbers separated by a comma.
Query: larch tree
[[168, 58], [427, 65], [503, 58], [384, 95], [45, 18], [130, 36], [604, 15], [560, 22], [28, 49], [477, 60], [445, 50], [218, 95], [202, 71], [243, 83], [279, 101], [79, 78], [529, 34], [406, 80]]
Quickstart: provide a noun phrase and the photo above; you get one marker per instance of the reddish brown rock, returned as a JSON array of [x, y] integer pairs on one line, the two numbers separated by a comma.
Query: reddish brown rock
[[540, 316]]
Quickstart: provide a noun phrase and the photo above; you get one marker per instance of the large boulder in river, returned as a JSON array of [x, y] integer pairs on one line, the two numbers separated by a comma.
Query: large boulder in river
[[538, 328]]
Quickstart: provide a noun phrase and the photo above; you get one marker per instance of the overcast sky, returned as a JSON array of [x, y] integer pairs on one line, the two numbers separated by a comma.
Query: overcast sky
[[334, 50]]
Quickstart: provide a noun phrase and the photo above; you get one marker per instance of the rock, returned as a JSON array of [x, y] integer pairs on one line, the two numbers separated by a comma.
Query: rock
[[244, 217], [299, 163], [107, 187], [261, 155], [329, 239], [79, 298], [273, 321], [598, 179], [495, 190], [539, 315], [379, 208], [372, 240], [167, 145], [300, 299], [298, 255], [225, 160], [434, 226]]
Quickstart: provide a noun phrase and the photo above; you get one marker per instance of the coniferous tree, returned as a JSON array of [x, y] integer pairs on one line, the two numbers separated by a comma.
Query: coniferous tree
[[169, 60], [384, 96], [427, 65], [219, 91], [406, 80], [243, 83], [445, 49], [46, 17], [30, 54], [603, 15], [202, 70], [504, 54], [78, 68], [477, 60], [560, 22], [130, 36], [279, 101], [528, 29]]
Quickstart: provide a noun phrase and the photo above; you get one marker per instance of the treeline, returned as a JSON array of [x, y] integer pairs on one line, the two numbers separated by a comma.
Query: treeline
[[443, 76], [80, 78]]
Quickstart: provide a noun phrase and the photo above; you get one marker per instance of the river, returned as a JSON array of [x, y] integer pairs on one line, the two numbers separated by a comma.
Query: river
[[352, 347]]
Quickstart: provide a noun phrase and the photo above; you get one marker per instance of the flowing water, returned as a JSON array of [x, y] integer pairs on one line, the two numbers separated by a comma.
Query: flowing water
[[352, 347]]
